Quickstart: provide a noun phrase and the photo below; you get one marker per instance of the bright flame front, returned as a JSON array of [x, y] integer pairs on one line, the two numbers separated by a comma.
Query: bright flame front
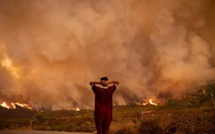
[[4, 104], [13, 105], [23, 105]]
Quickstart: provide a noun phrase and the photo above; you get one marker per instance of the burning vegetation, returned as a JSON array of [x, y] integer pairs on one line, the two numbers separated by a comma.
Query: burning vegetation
[[191, 114], [13, 105], [162, 49]]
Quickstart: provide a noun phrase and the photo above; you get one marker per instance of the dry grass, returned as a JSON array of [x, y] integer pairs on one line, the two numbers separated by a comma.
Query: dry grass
[[126, 120]]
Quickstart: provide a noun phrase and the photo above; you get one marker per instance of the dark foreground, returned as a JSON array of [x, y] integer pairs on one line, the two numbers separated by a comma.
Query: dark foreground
[[36, 132]]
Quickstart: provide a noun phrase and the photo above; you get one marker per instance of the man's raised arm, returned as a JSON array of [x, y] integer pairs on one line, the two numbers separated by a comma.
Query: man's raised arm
[[94, 82], [113, 82]]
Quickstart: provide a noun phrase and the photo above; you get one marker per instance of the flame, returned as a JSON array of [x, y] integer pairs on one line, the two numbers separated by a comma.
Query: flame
[[8, 63], [13, 105], [4, 104], [23, 105], [76, 109], [144, 104], [152, 103]]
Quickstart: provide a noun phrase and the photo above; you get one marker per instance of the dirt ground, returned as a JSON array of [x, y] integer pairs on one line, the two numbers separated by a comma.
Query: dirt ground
[[36, 132]]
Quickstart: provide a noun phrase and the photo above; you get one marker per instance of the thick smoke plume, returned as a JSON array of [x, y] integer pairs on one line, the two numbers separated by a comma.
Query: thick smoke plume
[[51, 49]]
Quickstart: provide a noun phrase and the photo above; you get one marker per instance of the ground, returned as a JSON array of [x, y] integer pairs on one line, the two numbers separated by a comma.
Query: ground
[[36, 132]]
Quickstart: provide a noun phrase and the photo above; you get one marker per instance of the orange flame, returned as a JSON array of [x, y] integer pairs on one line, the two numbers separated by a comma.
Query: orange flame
[[13, 105], [144, 104], [76, 109], [152, 103], [23, 105], [4, 104]]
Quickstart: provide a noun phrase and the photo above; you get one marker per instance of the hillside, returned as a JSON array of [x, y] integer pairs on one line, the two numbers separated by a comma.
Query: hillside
[[19, 112], [192, 114]]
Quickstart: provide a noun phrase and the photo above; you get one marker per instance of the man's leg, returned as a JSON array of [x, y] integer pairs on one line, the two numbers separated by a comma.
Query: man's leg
[[106, 126], [98, 123], [107, 122]]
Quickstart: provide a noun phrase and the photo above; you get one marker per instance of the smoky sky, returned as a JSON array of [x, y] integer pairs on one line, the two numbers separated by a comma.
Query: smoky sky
[[154, 48]]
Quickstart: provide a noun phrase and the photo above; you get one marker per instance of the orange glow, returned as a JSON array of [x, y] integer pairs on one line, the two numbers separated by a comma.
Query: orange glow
[[7, 63]]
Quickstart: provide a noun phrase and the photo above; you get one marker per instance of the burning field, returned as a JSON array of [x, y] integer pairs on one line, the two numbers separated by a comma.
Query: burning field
[[192, 115]]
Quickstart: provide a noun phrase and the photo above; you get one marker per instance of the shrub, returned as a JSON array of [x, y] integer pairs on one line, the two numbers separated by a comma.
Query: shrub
[[39, 117], [150, 127], [172, 103]]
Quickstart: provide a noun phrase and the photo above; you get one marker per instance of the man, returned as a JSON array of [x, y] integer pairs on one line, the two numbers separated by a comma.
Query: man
[[103, 103]]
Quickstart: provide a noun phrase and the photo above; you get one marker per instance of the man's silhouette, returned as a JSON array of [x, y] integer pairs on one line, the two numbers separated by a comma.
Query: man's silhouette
[[103, 91]]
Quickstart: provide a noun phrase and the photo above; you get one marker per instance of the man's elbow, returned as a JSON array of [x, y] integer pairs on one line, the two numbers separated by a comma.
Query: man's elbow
[[90, 83], [117, 82]]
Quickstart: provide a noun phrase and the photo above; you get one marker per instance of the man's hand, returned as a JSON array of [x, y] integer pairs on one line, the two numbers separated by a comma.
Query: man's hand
[[113, 82], [104, 83], [94, 82]]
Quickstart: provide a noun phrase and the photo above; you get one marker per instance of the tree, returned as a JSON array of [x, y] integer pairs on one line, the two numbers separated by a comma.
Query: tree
[[40, 117]]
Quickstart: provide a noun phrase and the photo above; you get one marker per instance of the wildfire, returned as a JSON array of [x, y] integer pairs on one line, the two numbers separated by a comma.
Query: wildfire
[[13, 105]]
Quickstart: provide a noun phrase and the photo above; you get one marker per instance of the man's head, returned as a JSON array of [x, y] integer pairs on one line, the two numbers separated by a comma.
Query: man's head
[[104, 81]]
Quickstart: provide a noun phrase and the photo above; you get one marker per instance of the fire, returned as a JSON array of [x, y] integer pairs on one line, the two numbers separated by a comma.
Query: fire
[[23, 105], [4, 104], [76, 109], [8, 63], [150, 102], [144, 104], [13, 105]]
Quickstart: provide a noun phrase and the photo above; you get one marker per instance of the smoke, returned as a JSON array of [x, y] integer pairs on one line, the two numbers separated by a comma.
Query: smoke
[[154, 48]]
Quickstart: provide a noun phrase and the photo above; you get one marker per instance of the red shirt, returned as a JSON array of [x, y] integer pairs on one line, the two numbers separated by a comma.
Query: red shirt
[[103, 101]]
